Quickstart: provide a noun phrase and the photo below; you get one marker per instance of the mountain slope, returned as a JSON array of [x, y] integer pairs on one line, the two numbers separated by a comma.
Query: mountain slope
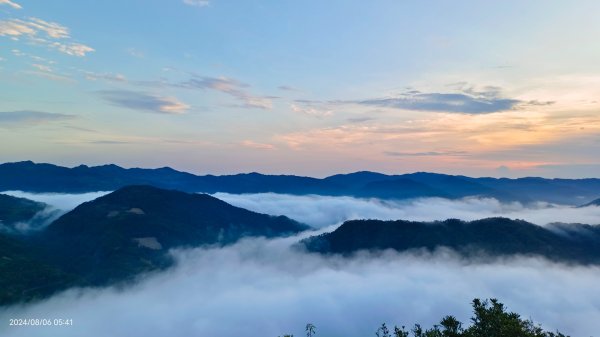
[[131, 229], [118, 236], [25, 275], [492, 236]]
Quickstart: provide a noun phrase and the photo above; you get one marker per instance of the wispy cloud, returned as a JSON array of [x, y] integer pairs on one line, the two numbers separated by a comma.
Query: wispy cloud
[[256, 145], [360, 119], [197, 3], [465, 102], [31, 27], [48, 72], [92, 76], [287, 88], [44, 33], [232, 87], [311, 109], [144, 101], [30, 117], [135, 53], [42, 67], [11, 4], [425, 154], [73, 49]]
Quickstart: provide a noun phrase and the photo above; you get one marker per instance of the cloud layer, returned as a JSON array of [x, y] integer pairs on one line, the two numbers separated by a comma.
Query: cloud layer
[[322, 211], [61, 201], [261, 287], [264, 288]]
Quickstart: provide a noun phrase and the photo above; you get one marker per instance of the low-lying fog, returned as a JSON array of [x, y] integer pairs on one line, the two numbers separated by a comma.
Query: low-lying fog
[[61, 201], [264, 288], [320, 211]]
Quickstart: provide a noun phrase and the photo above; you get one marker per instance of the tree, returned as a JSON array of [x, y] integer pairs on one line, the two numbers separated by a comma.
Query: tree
[[452, 327], [400, 332], [490, 319], [383, 331]]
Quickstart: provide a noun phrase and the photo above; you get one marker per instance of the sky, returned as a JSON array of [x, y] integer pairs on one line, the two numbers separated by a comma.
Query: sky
[[506, 88]]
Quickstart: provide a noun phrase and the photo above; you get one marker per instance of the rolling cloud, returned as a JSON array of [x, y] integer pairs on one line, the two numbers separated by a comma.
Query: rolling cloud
[[322, 211], [263, 288], [58, 204], [61, 201]]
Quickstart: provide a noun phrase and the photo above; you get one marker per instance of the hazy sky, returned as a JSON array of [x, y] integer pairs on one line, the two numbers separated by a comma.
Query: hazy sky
[[504, 88]]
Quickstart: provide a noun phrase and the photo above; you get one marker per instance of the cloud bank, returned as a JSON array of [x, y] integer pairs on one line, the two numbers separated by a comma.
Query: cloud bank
[[58, 204], [263, 288], [322, 211], [62, 201]]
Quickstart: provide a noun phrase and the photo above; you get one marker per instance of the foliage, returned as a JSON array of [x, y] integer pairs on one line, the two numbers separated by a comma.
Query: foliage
[[490, 319]]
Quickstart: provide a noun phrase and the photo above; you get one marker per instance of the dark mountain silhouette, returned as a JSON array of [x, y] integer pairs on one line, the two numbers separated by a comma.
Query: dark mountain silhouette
[[494, 237], [132, 228], [122, 234], [400, 188], [32, 177]]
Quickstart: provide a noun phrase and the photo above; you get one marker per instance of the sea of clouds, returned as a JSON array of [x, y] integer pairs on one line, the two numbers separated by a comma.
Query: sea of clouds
[[321, 211], [261, 287]]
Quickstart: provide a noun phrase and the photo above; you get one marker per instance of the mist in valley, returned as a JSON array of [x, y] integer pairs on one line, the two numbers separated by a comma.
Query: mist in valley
[[260, 287]]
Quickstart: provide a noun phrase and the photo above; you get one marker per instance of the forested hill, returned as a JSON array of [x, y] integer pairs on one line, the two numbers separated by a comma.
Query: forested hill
[[573, 243], [118, 236]]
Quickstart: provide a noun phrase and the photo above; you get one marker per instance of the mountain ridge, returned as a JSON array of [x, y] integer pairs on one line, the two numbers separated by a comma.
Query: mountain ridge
[[32, 177], [493, 237]]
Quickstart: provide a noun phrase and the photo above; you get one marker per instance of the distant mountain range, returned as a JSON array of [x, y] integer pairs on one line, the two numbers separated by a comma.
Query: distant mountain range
[[32, 177], [492, 237], [124, 233]]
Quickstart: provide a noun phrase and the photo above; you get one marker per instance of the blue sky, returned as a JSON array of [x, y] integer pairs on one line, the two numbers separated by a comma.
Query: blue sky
[[509, 88]]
